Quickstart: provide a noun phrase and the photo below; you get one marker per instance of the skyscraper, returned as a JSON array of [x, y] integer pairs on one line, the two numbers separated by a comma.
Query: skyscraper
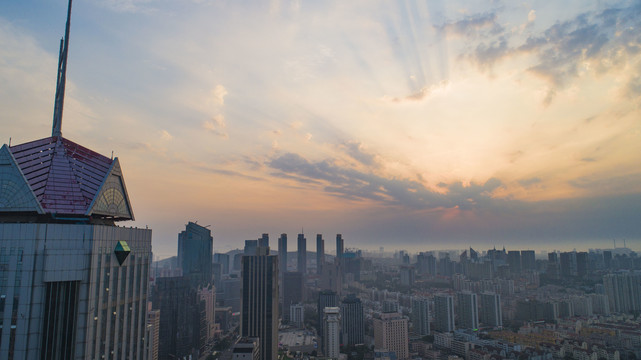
[[491, 313], [468, 314], [302, 254], [514, 261], [264, 240], [326, 298], [259, 301], [353, 328], [320, 253], [182, 322], [282, 253], [390, 333], [292, 291], [73, 284], [195, 249], [420, 316], [250, 247], [443, 313], [340, 247], [331, 334]]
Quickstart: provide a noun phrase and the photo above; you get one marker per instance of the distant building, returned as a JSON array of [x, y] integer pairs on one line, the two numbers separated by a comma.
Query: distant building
[[302, 254], [264, 240], [514, 261], [292, 291], [297, 315], [182, 314], [443, 313], [152, 334], [331, 332], [195, 249], [420, 316], [407, 275], [250, 247], [623, 291], [391, 333], [353, 327], [326, 298], [528, 260], [491, 312], [468, 311], [320, 253], [259, 301], [223, 260]]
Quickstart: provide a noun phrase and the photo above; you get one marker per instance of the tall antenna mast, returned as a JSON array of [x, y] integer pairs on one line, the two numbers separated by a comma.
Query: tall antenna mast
[[61, 79]]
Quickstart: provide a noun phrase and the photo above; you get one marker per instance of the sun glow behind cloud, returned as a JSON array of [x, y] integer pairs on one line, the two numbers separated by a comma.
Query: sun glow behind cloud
[[430, 120]]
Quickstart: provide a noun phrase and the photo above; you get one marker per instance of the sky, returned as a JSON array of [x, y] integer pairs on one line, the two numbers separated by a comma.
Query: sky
[[412, 125]]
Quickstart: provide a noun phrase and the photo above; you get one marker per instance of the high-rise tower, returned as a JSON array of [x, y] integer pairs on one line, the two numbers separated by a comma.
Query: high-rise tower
[[320, 253], [443, 313], [195, 249], [259, 301], [302, 254], [353, 328], [74, 284], [468, 313]]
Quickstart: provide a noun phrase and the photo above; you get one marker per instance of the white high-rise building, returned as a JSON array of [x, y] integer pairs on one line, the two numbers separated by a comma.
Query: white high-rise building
[[331, 332], [391, 334]]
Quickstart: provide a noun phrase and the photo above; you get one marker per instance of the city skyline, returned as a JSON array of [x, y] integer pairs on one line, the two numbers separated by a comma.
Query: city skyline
[[419, 125]]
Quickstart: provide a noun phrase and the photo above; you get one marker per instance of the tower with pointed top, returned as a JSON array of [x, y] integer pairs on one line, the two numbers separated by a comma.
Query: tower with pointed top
[[75, 284]]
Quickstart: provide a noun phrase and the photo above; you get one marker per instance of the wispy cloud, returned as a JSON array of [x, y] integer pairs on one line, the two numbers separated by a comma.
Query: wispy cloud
[[216, 126]]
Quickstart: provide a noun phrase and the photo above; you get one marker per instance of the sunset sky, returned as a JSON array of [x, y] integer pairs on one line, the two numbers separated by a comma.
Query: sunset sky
[[404, 124]]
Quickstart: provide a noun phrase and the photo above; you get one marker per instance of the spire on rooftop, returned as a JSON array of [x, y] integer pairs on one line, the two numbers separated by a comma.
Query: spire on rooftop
[[56, 129]]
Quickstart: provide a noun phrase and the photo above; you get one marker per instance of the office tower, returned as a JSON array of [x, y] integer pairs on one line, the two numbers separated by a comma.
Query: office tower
[[421, 316], [259, 301], [302, 254], [246, 349], [297, 315], [407, 275], [623, 291], [195, 249], [326, 298], [468, 315], [292, 291], [443, 313], [568, 264], [528, 260], [223, 260], [351, 263], [250, 247], [340, 247], [514, 261], [331, 334], [264, 240], [491, 312], [182, 326], [68, 274], [152, 334], [353, 327], [390, 333], [320, 253]]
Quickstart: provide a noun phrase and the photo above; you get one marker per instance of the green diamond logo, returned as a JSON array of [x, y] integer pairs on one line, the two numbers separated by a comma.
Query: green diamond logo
[[122, 251]]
